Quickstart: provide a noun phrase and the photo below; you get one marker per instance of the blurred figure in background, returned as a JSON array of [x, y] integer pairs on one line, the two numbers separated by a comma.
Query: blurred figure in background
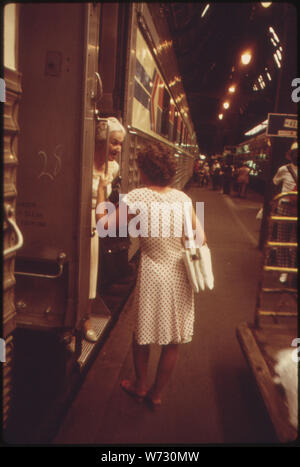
[[196, 170], [243, 179], [227, 178], [206, 174], [216, 175], [201, 174], [287, 177]]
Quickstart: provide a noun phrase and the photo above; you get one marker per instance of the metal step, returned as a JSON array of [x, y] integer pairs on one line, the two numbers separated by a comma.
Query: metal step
[[98, 323]]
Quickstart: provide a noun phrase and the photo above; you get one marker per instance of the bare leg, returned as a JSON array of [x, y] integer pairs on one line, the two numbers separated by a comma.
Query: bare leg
[[138, 388], [140, 357], [166, 365]]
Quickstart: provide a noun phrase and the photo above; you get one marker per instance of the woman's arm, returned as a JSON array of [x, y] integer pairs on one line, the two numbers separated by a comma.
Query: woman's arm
[[105, 180], [116, 218], [198, 228]]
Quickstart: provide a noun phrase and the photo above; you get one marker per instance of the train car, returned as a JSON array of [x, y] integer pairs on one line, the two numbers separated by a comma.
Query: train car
[[255, 152], [66, 65]]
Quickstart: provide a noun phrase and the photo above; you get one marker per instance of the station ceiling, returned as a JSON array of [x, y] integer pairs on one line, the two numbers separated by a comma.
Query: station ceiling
[[208, 49]]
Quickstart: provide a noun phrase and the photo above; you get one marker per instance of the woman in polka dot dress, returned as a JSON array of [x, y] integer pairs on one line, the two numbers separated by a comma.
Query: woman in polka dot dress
[[164, 300]]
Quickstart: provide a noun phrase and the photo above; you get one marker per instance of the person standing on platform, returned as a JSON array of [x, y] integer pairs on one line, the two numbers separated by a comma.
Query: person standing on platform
[[201, 175], [164, 299], [116, 135], [227, 179], [287, 177], [196, 170], [206, 174], [243, 179], [216, 175]]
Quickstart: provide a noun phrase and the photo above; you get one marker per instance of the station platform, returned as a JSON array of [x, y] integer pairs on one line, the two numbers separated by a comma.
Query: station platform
[[211, 397]]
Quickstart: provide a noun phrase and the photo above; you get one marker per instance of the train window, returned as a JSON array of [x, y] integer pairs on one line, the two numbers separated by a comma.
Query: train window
[[182, 139], [185, 138], [174, 137], [181, 132], [165, 114]]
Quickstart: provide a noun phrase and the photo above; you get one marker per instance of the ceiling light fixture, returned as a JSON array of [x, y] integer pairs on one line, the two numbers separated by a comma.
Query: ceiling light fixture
[[231, 89], [266, 4], [274, 34], [277, 61], [205, 10], [220, 116], [226, 105], [246, 57]]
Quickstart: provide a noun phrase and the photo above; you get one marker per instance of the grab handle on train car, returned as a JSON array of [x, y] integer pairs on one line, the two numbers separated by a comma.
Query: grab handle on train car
[[103, 126], [60, 261], [98, 95], [9, 212]]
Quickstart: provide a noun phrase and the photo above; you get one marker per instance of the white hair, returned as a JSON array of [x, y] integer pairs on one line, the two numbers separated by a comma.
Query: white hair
[[113, 125], [294, 146]]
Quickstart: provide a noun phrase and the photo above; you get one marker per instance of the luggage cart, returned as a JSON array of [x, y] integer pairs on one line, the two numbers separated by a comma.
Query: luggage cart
[[275, 324]]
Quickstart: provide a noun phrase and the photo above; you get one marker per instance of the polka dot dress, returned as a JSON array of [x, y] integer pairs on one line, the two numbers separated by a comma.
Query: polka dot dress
[[164, 299]]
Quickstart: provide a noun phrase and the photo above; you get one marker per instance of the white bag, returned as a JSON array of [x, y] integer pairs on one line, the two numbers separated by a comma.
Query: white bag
[[197, 262], [191, 259], [259, 215], [198, 266], [206, 267]]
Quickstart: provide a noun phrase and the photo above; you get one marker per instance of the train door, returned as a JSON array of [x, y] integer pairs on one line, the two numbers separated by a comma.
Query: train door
[[12, 237], [58, 57], [58, 61]]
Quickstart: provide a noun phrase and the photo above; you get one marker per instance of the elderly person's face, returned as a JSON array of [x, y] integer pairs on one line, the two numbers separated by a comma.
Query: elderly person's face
[[116, 139]]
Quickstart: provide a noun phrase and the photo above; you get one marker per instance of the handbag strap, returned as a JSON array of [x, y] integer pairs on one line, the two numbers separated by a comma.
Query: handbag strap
[[292, 172]]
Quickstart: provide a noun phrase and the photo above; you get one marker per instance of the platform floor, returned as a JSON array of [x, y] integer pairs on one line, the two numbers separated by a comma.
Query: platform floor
[[212, 397]]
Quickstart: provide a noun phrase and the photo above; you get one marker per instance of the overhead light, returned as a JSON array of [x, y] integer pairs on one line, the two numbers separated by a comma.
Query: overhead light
[[274, 34], [277, 61], [220, 116], [266, 4], [205, 10], [226, 105], [262, 126], [261, 82], [231, 89], [246, 57], [269, 76]]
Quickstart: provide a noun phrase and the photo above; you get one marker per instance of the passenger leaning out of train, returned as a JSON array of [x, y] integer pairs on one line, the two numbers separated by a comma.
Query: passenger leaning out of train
[[116, 135], [287, 177], [164, 301]]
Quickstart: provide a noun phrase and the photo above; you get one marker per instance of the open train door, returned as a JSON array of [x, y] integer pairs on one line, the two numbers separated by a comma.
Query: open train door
[[57, 59]]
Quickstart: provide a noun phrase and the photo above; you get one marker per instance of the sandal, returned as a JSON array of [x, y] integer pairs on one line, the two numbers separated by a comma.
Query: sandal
[[128, 387], [154, 405]]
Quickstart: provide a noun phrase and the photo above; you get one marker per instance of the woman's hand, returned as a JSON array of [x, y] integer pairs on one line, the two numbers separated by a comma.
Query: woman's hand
[[104, 180]]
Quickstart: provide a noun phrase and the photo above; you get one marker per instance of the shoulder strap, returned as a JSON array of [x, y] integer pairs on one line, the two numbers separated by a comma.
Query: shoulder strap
[[292, 172]]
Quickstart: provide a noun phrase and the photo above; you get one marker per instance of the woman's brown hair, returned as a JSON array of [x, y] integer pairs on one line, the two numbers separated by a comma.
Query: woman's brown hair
[[157, 163]]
